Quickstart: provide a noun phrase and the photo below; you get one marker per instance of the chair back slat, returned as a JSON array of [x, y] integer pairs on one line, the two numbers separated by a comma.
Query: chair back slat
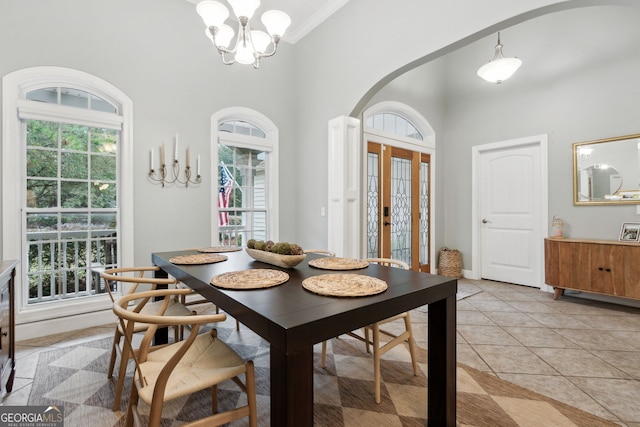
[[389, 262]]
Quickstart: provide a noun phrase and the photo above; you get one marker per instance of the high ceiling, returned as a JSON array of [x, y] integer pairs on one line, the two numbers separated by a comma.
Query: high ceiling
[[305, 14]]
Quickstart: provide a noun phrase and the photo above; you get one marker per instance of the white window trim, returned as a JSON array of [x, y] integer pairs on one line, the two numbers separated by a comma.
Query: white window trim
[[14, 89], [30, 110], [269, 144]]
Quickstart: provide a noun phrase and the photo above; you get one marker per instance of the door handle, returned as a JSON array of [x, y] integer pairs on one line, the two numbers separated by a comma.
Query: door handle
[[486, 221], [386, 223]]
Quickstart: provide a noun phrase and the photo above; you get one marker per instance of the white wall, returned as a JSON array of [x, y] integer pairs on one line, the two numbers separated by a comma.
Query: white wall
[[575, 102], [571, 97], [341, 64], [156, 52]]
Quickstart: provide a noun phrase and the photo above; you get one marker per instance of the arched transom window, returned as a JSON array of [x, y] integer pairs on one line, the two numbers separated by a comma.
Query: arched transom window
[[394, 124]]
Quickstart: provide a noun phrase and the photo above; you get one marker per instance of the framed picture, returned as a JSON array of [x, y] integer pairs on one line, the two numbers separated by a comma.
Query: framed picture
[[630, 232]]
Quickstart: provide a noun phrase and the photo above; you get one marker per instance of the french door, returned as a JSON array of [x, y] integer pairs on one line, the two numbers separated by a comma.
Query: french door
[[398, 200]]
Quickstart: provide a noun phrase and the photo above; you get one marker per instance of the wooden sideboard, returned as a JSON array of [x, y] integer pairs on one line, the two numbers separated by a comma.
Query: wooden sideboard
[[598, 266], [7, 325]]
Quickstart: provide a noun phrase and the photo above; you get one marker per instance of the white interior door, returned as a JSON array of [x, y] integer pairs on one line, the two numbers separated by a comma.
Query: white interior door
[[510, 213]]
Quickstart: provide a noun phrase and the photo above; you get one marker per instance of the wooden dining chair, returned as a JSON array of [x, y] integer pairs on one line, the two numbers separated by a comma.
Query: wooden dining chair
[[373, 332], [198, 362], [137, 279], [199, 301], [320, 252]]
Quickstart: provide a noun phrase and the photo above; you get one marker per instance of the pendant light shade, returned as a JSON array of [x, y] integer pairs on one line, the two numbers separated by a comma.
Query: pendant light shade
[[499, 68], [244, 7], [276, 22]]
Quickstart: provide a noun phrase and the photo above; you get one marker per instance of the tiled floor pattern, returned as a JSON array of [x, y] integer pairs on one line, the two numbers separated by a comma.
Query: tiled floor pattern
[[581, 352], [75, 378]]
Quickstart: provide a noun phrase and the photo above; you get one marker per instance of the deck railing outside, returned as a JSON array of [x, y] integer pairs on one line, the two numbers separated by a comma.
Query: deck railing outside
[[67, 265]]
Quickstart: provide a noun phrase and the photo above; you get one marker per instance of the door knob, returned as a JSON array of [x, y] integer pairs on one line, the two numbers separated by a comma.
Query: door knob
[[386, 223], [486, 221]]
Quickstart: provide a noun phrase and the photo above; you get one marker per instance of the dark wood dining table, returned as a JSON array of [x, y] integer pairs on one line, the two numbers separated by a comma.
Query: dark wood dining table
[[293, 319]]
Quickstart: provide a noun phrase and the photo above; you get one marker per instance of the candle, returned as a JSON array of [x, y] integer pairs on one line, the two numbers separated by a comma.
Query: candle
[[188, 157], [198, 165], [151, 158], [175, 153], [162, 162]]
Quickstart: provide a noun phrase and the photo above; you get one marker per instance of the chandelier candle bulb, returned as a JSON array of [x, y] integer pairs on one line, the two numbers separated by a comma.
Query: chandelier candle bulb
[[198, 165], [188, 157], [162, 162], [151, 159]]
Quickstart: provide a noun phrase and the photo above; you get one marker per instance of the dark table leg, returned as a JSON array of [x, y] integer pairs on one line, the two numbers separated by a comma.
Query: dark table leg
[[441, 370], [162, 334], [292, 388]]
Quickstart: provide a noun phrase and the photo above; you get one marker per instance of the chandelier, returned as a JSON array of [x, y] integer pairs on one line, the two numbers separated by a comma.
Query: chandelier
[[251, 45], [499, 68]]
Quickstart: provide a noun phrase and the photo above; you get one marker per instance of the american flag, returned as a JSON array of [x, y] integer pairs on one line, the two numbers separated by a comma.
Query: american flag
[[224, 194]]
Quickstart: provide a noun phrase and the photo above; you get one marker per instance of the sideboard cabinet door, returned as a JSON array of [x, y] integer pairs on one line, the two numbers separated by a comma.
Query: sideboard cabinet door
[[632, 273]]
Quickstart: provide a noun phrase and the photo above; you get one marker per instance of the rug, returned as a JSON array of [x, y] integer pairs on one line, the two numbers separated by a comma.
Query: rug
[[75, 378]]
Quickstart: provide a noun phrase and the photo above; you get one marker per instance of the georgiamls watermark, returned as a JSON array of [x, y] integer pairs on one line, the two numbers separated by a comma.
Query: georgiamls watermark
[[31, 416]]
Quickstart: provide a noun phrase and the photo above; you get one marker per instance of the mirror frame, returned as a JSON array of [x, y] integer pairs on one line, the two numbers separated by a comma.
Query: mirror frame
[[576, 195]]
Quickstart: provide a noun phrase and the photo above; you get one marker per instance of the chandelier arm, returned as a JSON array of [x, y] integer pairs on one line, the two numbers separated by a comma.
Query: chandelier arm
[[176, 172], [221, 49], [224, 59], [268, 54]]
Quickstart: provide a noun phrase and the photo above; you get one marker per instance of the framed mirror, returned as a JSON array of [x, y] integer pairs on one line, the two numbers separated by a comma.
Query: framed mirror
[[607, 171]]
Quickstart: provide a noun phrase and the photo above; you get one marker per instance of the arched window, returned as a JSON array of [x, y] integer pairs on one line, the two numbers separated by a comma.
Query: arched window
[[66, 155], [246, 154], [395, 124]]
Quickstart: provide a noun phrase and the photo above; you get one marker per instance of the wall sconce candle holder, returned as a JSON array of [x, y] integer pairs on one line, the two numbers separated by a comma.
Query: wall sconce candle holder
[[162, 176]]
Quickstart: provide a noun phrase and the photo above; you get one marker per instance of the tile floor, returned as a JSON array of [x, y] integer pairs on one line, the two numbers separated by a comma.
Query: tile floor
[[581, 352]]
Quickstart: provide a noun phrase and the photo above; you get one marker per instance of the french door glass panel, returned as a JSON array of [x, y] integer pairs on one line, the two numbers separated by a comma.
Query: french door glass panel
[[373, 205], [401, 209], [424, 210]]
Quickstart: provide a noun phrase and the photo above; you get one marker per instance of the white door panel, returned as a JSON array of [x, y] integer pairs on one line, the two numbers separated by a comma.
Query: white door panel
[[510, 213]]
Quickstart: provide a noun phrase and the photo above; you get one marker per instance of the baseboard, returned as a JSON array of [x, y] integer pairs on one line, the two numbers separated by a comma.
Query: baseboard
[[603, 298], [26, 331]]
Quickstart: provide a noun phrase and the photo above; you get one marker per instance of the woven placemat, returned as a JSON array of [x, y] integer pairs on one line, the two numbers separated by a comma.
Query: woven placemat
[[338, 263], [256, 278], [344, 285], [198, 259], [217, 249]]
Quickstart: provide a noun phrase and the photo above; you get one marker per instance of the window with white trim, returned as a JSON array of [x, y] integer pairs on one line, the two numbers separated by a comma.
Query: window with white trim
[[66, 146], [246, 190], [70, 209]]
